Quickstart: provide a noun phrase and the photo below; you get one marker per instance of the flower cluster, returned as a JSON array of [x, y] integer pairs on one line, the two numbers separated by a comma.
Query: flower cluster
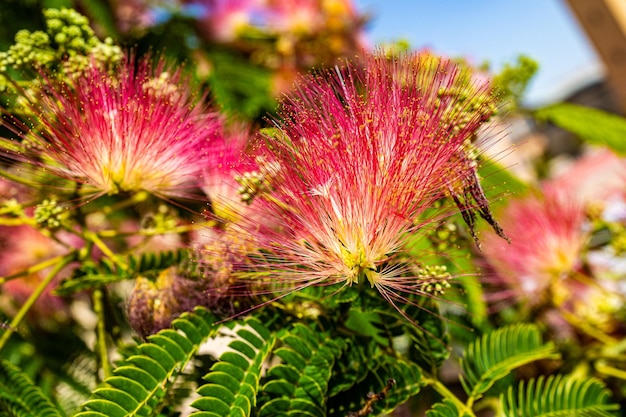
[[284, 36], [290, 23], [560, 261], [140, 129], [359, 156]]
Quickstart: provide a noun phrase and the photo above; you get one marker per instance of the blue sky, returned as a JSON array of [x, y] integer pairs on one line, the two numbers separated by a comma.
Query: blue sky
[[496, 31]]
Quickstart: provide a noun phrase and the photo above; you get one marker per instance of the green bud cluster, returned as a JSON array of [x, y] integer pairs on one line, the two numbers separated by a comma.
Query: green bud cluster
[[30, 49], [444, 236], [259, 182], [464, 106], [70, 31], [68, 43], [49, 214], [434, 278], [11, 208]]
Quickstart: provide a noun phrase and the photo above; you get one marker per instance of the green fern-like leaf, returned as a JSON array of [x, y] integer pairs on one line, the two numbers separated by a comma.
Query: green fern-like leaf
[[445, 409], [494, 355], [379, 367], [429, 337], [558, 396], [140, 379], [408, 378], [20, 397], [93, 275], [352, 366], [299, 384], [233, 381]]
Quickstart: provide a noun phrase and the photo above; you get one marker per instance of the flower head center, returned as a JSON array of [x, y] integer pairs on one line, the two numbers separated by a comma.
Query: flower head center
[[358, 266]]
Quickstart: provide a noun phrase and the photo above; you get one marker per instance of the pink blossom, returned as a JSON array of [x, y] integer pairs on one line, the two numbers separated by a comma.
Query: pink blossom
[[360, 155], [295, 16], [139, 129], [224, 20], [598, 176], [547, 238], [227, 157]]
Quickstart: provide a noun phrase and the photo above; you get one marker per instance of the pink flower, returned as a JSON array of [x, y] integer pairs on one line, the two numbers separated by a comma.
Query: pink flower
[[360, 156], [547, 238], [226, 158], [139, 129], [598, 176], [295, 16], [224, 20]]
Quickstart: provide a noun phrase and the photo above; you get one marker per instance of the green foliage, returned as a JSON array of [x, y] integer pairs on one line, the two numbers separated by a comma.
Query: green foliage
[[139, 382], [233, 381], [96, 274], [499, 184], [20, 397], [446, 408], [512, 81], [593, 126], [300, 382], [408, 382], [496, 354], [559, 395], [371, 368], [240, 88]]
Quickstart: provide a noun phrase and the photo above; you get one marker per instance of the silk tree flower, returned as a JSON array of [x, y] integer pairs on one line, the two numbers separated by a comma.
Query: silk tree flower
[[227, 157], [140, 129], [599, 176], [360, 155], [548, 238]]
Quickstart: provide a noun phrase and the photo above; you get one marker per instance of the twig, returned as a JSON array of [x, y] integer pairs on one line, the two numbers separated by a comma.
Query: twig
[[372, 398], [101, 333], [17, 320]]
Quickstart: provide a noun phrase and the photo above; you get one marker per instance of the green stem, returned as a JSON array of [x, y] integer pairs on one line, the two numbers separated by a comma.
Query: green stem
[[605, 369], [585, 327], [445, 392], [19, 317], [33, 269], [20, 221], [101, 333], [157, 232], [93, 237]]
